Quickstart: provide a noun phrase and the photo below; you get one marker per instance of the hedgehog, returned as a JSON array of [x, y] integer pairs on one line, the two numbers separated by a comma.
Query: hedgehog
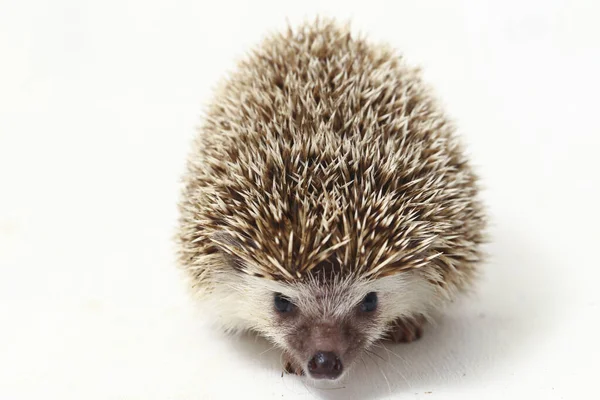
[[327, 202]]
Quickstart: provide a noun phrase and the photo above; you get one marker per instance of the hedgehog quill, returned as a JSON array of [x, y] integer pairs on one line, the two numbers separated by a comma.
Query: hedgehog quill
[[328, 203]]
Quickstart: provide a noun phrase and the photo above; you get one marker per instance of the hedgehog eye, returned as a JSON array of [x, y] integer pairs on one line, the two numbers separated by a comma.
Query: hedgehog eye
[[369, 303], [282, 303]]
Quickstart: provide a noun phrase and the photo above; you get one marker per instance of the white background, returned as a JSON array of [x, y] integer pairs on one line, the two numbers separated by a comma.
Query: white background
[[98, 104]]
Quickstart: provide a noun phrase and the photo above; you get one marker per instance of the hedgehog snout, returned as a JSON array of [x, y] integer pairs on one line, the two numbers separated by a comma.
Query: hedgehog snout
[[325, 365], [325, 347]]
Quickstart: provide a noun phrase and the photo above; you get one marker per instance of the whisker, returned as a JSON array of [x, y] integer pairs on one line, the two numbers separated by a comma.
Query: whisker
[[392, 364], [266, 351], [376, 355], [389, 351], [382, 373]]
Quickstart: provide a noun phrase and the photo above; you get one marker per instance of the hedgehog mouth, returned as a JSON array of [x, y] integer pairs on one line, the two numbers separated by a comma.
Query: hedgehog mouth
[[325, 379]]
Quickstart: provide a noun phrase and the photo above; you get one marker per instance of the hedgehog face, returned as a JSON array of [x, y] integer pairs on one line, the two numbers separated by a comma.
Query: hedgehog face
[[325, 326], [323, 321], [325, 331]]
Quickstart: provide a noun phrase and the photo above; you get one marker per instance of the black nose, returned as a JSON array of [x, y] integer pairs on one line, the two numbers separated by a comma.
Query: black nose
[[325, 365]]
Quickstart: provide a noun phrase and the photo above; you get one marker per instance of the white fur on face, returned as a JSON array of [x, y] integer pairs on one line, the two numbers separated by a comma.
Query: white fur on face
[[241, 302]]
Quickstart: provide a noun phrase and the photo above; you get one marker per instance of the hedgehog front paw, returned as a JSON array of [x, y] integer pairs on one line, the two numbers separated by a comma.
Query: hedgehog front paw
[[405, 330], [290, 366]]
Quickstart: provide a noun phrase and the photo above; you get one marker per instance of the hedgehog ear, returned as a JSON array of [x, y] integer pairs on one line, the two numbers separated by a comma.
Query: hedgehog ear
[[228, 246]]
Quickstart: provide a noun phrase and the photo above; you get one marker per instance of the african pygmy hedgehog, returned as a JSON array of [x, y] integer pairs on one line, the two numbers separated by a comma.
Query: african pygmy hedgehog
[[327, 202]]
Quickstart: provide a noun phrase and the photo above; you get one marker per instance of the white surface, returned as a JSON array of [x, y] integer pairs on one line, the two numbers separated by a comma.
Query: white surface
[[98, 104]]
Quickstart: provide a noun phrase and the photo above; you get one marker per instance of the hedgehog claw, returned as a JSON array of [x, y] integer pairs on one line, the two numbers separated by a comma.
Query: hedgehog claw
[[406, 330], [291, 367]]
